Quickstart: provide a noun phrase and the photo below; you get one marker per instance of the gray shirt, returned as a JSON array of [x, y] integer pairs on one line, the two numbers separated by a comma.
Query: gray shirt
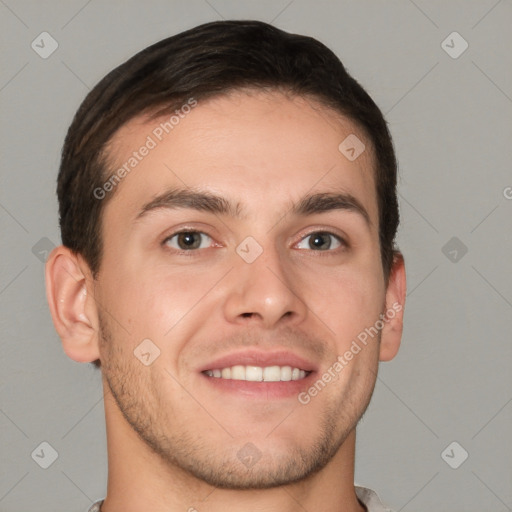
[[366, 496]]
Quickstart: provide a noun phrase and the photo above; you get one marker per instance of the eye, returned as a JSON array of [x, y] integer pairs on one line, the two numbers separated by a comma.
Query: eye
[[188, 240], [321, 241]]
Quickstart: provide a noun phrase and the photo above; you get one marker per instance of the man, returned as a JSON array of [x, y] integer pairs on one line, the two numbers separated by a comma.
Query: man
[[228, 212]]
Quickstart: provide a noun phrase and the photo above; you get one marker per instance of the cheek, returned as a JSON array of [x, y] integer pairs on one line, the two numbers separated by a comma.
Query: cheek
[[158, 304], [348, 301]]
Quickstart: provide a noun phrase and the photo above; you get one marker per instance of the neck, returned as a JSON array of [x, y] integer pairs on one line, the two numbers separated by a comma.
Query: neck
[[138, 479]]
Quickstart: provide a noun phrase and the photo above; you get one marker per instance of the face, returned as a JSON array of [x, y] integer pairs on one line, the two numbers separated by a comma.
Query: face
[[241, 261]]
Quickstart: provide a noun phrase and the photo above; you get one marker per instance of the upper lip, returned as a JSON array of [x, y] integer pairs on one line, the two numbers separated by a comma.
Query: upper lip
[[260, 358]]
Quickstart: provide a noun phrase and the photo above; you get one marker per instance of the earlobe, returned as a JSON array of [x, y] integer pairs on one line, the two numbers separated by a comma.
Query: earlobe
[[71, 305], [394, 312]]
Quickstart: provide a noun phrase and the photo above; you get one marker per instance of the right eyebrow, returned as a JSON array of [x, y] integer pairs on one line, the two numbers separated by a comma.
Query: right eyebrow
[[188, 198]]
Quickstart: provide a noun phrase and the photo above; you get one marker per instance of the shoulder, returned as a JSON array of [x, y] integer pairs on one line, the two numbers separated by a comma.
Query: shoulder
[[370, 500], [96, 506]]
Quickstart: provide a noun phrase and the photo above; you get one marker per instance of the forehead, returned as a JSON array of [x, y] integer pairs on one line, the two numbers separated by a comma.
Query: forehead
[[261, 145]]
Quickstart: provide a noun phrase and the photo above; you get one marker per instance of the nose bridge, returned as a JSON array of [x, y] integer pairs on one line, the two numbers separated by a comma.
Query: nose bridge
[[261, 288]]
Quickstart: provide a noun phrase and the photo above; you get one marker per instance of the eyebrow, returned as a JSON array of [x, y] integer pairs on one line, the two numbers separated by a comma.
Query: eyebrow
[[206, 201]]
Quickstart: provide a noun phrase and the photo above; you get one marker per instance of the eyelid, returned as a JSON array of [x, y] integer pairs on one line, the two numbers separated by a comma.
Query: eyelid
[[341, 235], [186, 228]]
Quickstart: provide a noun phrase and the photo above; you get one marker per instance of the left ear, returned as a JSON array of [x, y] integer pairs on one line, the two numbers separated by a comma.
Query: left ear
[[394, 313]]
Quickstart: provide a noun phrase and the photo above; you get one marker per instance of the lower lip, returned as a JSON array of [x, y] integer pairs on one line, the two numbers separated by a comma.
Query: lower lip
[[265, 390]]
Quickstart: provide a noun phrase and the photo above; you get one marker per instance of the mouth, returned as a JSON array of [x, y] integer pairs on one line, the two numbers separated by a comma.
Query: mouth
[[258, 373]]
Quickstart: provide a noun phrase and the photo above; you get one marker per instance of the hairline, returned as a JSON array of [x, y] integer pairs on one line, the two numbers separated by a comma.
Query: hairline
[[107, 155]]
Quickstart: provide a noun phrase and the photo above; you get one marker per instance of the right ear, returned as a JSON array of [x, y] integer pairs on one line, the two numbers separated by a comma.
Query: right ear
[[70, 297]]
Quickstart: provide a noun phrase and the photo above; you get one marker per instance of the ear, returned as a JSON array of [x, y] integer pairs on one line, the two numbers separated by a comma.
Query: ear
[[70, 297], [394, 313]]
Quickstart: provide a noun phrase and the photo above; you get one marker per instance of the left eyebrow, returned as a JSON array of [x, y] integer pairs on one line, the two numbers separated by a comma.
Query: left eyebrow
[[212, 203], [324, 202]]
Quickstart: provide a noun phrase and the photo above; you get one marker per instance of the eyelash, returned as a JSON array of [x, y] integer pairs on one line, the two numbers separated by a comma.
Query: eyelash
[[193, 252]]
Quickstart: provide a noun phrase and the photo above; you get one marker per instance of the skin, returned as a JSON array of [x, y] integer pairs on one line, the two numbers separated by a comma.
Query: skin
[[173, 438]]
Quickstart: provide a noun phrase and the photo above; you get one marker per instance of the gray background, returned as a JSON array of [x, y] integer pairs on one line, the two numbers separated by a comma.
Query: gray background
[[451, 122]]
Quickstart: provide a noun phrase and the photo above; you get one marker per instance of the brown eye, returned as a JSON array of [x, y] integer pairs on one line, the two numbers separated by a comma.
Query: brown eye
[[188, 240]]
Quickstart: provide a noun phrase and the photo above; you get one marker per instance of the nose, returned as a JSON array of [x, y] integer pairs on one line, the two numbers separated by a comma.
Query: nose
[[264, 293]]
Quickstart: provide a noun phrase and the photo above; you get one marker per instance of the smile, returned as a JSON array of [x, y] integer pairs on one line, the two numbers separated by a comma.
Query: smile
[[258, 373]]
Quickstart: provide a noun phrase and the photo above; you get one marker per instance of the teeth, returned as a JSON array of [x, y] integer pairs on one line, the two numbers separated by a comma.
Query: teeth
[[272, 374], [286, 373], [253, 373], [238, 372], [258, 374]]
